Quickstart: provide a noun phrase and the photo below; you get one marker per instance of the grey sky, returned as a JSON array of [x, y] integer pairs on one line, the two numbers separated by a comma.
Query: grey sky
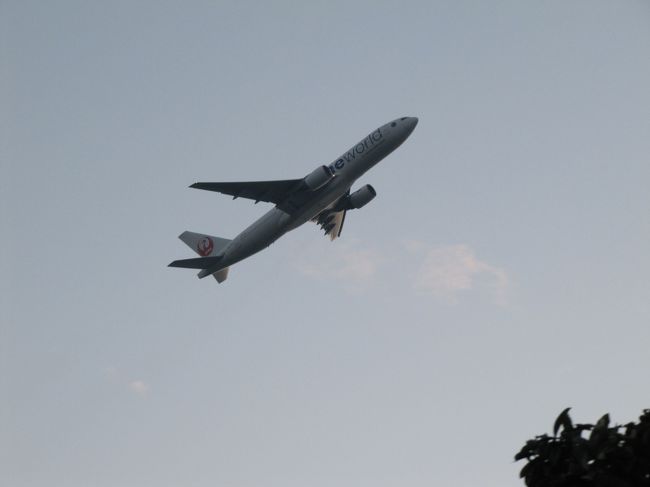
[[500, 275]]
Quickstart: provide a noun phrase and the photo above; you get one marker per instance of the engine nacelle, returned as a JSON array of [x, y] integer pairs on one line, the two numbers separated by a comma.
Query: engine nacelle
[[361, 197], [318, 178]]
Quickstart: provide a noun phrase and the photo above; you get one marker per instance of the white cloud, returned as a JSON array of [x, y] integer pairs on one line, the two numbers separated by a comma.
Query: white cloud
[[117, 377], [346, 261], [447, 271], [139, 387]]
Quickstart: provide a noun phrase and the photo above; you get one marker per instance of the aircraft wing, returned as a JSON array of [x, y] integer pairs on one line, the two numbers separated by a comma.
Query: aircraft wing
[[331, 222], [270, 191]]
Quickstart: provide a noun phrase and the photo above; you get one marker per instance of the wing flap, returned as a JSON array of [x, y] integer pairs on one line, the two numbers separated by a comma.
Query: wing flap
[[331, 219], [331, 222]]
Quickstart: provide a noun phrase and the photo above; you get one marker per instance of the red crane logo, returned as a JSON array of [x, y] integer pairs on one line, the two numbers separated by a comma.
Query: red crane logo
[[205, 246]]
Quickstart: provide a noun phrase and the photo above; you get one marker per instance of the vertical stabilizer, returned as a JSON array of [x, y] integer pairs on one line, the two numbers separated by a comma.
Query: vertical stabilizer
[[204, 245]]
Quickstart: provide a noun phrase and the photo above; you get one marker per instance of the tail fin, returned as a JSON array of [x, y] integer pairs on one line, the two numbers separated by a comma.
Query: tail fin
[[210, 249], [204, 245]]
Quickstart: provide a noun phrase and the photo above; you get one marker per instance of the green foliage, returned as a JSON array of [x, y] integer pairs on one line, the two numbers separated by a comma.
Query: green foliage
[[587, 455]]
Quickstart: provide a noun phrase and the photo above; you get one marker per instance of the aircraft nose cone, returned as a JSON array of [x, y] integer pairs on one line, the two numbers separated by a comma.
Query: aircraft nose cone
[[411, 122]]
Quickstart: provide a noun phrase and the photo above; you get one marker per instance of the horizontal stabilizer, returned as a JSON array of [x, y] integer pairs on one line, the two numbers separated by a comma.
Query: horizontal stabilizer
[[196, 263], [221, 275]]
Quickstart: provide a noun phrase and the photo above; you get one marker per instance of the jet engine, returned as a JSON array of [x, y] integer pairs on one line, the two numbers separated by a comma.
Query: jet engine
[[361, 197], [318, 178]]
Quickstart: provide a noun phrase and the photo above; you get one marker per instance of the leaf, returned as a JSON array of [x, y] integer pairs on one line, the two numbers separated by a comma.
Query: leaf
[[563, 420], [527, 450], [602, 423], [599, 433], [528, 469]]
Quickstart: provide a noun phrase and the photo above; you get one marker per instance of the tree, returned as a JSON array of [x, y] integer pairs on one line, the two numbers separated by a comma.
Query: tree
[[587, 455]]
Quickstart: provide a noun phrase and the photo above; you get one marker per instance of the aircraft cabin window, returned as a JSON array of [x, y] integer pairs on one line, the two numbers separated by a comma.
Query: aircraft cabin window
[[393, 124]]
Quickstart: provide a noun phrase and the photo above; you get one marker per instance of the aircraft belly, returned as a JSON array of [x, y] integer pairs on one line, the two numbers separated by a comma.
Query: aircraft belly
[[258, 236]]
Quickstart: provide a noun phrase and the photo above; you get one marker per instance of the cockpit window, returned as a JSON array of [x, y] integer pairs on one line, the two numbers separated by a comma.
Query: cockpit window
[[403, 118]]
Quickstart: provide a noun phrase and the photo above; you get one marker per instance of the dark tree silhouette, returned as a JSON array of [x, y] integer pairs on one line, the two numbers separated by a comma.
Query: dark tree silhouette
[[587, 455]]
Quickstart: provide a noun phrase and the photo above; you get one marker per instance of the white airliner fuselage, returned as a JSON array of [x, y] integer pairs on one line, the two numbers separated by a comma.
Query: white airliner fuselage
[[344, 171]]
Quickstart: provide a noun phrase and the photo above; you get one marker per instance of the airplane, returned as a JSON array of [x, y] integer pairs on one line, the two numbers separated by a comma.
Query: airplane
[[323, 197]]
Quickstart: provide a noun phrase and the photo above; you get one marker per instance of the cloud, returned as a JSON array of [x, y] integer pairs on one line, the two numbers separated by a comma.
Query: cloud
[[136, 386], [139, 387], [443, 271], [447, 271], [345, 262]]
